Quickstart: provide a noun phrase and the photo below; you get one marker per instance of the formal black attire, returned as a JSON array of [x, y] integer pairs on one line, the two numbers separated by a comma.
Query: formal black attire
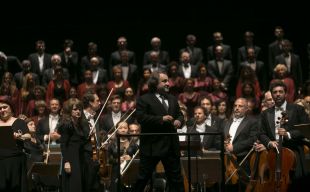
[[13, 162], [155, 148], [90, 167], [71, 144], [209, 142], [245, 136], [296, 115]]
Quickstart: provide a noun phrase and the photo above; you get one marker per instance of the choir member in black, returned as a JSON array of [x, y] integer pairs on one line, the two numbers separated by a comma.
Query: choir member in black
[[71, 143], [12, 159]]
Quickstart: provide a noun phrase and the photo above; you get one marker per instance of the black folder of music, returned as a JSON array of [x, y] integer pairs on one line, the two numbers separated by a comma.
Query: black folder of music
[[7, 140]]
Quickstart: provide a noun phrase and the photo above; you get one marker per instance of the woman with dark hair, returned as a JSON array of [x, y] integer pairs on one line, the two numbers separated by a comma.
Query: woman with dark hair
[[176, 82], [12, 159], [142, 85], [71, 143]]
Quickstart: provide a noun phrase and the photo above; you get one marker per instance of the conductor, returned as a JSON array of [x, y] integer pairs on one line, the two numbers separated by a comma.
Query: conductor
[[159, 112]]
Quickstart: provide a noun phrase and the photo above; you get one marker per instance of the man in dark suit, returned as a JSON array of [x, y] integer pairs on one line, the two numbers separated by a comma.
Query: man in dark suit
[[47, 127], [240, 131], [40, 61], [201, 123], [271, 130], [159, 112], [114, 116], [91, 104]]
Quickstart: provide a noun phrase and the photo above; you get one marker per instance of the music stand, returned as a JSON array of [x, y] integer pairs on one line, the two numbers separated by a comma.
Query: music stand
[[130, 176], [50, 169], [203, 169], [44, 175], [7, 140], [304, 129]]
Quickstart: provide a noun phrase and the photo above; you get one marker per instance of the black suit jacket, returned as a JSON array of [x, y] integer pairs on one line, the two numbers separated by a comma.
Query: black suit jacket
[[35, 68], [209, 141], [107, 121], [296, 115], [43, 128], [163, 57], [86, 129], [245, 135], [150, 112]]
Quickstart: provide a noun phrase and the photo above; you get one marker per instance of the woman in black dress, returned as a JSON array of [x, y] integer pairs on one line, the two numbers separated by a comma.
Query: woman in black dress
[[12, 158], [71, 143]]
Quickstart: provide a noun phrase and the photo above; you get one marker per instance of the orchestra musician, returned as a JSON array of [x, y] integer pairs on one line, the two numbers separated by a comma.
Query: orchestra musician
[[292, 138], [91, 105], [71, 144], [127, 149], [242, 129]]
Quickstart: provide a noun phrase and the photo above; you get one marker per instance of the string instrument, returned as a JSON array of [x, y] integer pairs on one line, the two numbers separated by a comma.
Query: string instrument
[[100, 154], [281, 162], [230, 164], [259, 171], [47, 152]]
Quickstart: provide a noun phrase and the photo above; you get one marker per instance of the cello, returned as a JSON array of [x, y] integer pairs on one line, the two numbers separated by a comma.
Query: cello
[[281, 161], [259, 171]]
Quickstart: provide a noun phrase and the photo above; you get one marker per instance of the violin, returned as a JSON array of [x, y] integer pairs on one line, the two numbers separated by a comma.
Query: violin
[[281, 161]]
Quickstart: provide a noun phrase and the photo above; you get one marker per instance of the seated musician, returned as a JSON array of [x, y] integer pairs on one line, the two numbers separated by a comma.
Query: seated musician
[[200, 124], [127, 149]]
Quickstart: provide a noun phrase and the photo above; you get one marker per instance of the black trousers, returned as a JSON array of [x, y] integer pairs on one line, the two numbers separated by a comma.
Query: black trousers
[[172, 168]]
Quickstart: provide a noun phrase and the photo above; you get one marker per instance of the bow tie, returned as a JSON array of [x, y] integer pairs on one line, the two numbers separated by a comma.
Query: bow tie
[[124, 65], [279, 109], [116, 115], [186, 65], [236, 119]]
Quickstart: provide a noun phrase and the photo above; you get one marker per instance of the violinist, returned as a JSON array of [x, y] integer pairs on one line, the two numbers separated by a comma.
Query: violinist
[[127, 149], [201, 125], [115, 115], [291, 136], [243, 130], [71, 143], [12, 159], [33, 146], [91, 104]]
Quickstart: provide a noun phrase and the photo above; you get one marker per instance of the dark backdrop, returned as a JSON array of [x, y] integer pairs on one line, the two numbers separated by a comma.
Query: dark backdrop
[[53, 22]]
